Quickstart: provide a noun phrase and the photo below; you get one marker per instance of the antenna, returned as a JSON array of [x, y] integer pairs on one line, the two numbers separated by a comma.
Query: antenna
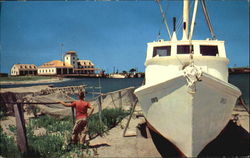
[[174, 23], [62, 50]]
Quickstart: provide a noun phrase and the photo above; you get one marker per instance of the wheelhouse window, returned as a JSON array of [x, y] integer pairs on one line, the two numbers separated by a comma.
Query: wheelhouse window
[[209, 50], [162, 51], [184, 49]]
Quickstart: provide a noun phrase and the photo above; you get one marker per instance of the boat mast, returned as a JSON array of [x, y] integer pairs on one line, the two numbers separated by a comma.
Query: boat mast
[[193, 20], [185, 19]]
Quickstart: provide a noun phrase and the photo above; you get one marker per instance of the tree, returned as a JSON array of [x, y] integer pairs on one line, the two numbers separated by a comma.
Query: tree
[[124, 72], [132, 70]]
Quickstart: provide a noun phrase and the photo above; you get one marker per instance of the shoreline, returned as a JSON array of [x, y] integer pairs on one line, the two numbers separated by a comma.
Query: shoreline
[[52, 80]]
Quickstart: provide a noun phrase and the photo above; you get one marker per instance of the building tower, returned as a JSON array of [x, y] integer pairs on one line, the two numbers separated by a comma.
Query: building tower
[[70, 57]]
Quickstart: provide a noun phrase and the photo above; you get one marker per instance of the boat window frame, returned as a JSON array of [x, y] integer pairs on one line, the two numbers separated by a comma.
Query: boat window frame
[[167, 48], [186, 52], [209, 54]]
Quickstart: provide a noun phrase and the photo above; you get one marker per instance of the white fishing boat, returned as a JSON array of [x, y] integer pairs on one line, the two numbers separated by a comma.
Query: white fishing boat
[[186, 97], [117, 76]]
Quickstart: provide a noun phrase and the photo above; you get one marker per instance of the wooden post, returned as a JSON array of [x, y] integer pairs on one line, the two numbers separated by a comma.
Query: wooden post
[[21, 130], [120, 99], [73, 114], [148, 132], [130, 116], [100, 108]]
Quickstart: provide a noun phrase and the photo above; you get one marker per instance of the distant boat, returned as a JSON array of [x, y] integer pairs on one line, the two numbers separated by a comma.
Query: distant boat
[[186, 97], [117, 76], [239, 70]]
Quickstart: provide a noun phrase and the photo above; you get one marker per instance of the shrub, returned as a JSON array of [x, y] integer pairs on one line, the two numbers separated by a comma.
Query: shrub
[[54, 142], [47, 145], [32, 109], [52, 124], [8, 147], [95, 127], [110, 118], [12, 128], [2, 112]]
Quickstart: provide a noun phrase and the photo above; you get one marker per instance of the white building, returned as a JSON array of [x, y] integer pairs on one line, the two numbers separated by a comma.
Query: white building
[[55, 67], [85, 67], [23, 69], [71, 66], [70, 58]]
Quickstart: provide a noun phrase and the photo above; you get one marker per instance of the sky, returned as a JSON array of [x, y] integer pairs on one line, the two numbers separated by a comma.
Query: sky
[[111, 34]]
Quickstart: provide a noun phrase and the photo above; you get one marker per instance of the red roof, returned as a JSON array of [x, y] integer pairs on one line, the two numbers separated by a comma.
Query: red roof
[[56, 63]]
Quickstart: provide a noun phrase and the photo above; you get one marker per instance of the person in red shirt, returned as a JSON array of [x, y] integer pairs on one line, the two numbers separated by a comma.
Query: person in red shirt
[[82, 108]]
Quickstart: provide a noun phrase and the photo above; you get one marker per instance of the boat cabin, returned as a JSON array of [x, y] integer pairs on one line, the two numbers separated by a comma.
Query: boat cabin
[[167, 58], [199, 48]]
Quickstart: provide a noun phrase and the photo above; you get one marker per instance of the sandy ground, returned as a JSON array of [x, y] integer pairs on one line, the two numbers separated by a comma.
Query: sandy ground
[[243, 117], [115, 145], [31, 82], [30, 89], [135, 145]]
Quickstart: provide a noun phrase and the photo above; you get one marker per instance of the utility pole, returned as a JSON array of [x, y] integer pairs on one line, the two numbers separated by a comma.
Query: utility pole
[[62, 50]]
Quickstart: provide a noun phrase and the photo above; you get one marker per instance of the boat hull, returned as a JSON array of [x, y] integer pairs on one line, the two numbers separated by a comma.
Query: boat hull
[[189, 120]]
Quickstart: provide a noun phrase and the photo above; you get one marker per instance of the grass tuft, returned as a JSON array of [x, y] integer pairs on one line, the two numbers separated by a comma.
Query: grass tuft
[[55, 141]]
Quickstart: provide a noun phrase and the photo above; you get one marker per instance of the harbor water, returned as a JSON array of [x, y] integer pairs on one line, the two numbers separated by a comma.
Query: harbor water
[[111, 84], [242, 82]]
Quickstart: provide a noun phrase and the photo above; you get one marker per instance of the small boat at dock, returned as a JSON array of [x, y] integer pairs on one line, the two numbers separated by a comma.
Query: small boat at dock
[[186, 97], [117, 76]]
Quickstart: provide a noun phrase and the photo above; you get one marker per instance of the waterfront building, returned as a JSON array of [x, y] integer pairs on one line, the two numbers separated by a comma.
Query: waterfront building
[[85, 67], [71, 66], [71, 58], [55, 67], [23, 69]]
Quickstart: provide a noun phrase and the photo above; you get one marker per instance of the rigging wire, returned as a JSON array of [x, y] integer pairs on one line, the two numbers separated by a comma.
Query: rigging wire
[[162, 22], [159, 33], [164, 18], [208, 19], [179, 23]]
